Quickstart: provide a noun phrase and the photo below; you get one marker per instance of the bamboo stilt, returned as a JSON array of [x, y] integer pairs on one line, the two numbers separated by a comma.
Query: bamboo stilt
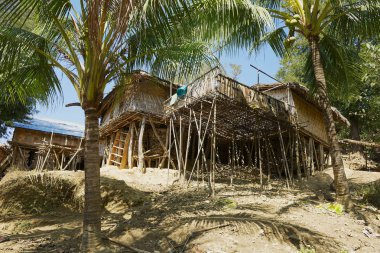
[[284, 156], [141, 164], [130, 147], [260, 164]]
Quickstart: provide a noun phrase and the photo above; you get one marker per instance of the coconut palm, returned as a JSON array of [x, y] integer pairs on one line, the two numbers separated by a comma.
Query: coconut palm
[[101, 41], [331, 28]]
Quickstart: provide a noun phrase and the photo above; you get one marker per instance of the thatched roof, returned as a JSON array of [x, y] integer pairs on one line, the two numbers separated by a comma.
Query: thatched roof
[[137, 76], [303, 92]]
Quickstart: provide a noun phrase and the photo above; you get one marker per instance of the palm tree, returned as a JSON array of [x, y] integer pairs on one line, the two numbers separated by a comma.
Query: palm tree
[[102, 40], [331, 28], [93, 47]]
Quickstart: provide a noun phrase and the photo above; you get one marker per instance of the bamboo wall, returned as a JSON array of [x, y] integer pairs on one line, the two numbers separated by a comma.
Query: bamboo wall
[[310, 118], [143, 96]]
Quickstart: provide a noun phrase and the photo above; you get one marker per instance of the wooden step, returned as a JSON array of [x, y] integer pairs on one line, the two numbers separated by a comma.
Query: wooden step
[[112, 161]]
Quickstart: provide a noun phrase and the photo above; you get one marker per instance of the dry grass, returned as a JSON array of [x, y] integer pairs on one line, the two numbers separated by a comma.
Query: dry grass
[[35, 193]]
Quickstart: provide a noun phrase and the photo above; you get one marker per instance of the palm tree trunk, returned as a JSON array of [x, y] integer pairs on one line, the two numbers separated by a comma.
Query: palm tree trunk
[[355, 133], [340, 180], [91, 238]]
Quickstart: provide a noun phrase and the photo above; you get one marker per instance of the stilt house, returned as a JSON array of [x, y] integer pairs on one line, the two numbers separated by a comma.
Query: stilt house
[[46, 144], [133, 126], [305, 109], [214, 124]]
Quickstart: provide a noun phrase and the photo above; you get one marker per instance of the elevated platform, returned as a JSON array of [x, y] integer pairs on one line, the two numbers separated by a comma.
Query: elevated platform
[[241, 111]]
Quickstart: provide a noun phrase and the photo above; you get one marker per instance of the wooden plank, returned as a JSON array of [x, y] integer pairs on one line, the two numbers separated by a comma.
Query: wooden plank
[[141, 165], [110, 149], [124, 156], [130, 147]]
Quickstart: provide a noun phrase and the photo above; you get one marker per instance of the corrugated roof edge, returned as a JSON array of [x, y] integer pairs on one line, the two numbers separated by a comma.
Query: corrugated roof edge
[[51, 125]]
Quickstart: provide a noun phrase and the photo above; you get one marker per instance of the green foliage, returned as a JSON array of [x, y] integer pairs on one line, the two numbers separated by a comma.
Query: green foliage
[[235, 70], [226, 203], [15, 111], [336, 208], [333, 207], [370, 194], [23, 226], [306, 249], [359, 103], [293, 64]]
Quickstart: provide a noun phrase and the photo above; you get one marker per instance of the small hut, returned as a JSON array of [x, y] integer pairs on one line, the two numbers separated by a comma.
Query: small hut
[[304, 108], [133, 129], [47, 144]]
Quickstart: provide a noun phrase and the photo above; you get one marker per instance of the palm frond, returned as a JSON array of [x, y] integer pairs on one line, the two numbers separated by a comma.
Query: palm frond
[[341, 66], [25, 71]]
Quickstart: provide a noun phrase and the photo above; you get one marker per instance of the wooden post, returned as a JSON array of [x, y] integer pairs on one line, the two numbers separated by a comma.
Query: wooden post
[[166, 150], [141, 165], [124, 157], [268, 159], [316, 158], [284, 155], [311, 155], [260, 165], [233, 161], [187, 144], [110, 149], [298, 166], [170, 143], [181, 163], [75, 154], [199, 164], [291, 149], [201, 142], [321, 157], [213, 153], [130, 147]]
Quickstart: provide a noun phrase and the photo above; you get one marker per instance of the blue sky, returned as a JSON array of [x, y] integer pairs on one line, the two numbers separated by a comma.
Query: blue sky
[[265, 60]]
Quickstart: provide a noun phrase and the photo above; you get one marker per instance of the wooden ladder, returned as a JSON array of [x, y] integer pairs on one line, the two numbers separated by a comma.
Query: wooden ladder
[[119, 151]]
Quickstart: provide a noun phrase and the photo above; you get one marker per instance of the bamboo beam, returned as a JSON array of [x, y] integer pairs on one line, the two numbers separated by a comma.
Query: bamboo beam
[[361, 143]]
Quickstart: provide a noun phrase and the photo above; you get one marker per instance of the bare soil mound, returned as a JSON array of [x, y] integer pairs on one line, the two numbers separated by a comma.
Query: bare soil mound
[[34, 193]]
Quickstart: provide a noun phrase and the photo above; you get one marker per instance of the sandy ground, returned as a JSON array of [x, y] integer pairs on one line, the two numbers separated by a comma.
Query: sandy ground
[[241, 218], [154, 180]]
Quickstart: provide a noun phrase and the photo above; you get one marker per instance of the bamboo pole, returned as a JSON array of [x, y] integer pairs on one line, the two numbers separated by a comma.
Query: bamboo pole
[[130, 147], [284, 156], [75, 154], [233, 161], [181, 162], [213, 153], [141, 165], [260, 165], [187, 144], [202, 140], [268, 160], [176, 149], [48, 153]]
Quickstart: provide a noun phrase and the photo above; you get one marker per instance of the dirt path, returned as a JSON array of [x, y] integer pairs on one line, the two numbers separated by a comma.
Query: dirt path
[[243, 218]]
